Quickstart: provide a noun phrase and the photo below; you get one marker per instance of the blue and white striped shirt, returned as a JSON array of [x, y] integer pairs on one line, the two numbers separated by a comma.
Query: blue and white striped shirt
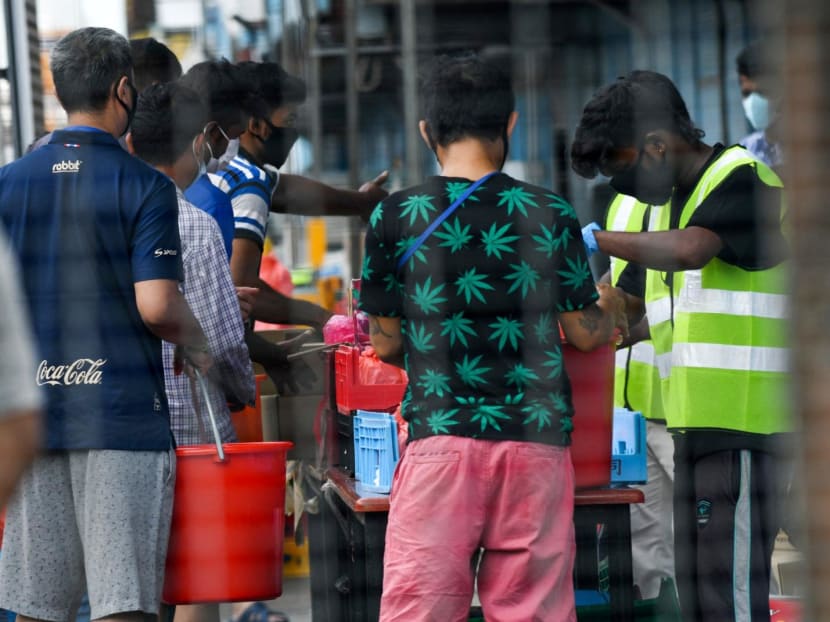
[[249, 188]]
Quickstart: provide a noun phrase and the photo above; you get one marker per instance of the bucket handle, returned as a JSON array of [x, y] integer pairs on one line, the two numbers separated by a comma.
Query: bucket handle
[[200, 380]]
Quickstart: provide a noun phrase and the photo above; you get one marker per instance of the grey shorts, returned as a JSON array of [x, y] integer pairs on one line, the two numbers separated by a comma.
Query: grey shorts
[[93, 521]]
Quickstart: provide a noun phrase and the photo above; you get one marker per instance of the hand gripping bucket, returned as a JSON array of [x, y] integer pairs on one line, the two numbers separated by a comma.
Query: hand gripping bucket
[[226, 535]]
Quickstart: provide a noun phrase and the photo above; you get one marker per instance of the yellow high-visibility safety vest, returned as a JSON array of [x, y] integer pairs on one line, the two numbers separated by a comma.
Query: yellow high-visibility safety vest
[[636, 378], [721, 331]]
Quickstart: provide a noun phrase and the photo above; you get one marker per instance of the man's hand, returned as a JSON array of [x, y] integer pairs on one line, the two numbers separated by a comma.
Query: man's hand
[[291, 377], [247, 297], [376, 193], [612, 300], [185, 358]]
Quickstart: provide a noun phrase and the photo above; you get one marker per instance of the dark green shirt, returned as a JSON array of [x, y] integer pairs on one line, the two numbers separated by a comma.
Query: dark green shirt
[[479, 304]]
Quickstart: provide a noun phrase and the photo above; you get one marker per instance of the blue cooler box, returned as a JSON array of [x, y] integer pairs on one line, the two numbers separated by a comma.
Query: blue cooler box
[[628, 448]]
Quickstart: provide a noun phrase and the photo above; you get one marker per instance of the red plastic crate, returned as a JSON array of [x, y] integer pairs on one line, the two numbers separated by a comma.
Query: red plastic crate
[[592, 383], [350, 394]]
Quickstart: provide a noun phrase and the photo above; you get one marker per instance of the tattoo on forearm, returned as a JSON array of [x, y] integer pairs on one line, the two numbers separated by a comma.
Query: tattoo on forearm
[[590, 319], [375, 328]]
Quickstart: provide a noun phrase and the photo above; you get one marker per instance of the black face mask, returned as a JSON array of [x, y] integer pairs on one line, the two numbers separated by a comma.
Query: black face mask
[[651, 187], [278, 144], [130, 111]]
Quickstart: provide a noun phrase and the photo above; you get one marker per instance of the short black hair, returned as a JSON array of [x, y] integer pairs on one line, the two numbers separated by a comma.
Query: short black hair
[[86, 64], [153, 62], [222, 88], [465, 96], [272, 87], [622, 113], [751, 62], [167, 119]]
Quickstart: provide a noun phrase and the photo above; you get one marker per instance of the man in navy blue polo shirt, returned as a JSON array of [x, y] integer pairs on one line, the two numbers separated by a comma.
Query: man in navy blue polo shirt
[[96, 234]]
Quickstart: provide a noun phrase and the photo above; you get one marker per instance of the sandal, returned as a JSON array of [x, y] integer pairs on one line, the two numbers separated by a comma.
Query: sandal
[[259, 612]]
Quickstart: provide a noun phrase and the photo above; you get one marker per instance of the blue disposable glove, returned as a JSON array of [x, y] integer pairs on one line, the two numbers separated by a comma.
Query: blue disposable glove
[[589, 238]]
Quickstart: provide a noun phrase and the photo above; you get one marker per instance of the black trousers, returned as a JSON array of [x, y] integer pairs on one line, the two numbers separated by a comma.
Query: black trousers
[[726, 513]]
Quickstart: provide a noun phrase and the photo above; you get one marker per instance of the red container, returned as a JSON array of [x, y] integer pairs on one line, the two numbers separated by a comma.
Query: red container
[[228, 518], [592, 383], [785, 609], [350, 394], [248, 422]]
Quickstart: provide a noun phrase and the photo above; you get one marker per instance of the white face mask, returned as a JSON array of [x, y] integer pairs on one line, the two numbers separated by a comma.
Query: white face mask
[[230, 154], [756, 109], [214, 164]]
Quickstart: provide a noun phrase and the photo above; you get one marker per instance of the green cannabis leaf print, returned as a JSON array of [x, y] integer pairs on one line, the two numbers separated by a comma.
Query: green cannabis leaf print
[[524, 277], [470, 372], [458, 327], [470, 285], [377, 215], [548, 242], [559, 402], [510, 400], [487, 414], [419, 337], [393, 284], [520, 376], [543, 328], [554, 362], [418, 205], [496, 241], [564, 238], [577, 275], [403, 245], [456, 188], [441, 420], [367, 269], [507, 330], [428, 297], [561, 205], [516, 198], [454, 235], [537, 413], [434, 382]]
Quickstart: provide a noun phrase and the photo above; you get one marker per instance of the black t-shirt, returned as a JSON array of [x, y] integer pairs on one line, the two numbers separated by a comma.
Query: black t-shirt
[[745, 214], [479, 303]]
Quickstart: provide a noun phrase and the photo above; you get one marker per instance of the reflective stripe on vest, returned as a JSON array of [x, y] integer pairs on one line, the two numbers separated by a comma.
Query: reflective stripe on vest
[[729, 354], [637, 383]]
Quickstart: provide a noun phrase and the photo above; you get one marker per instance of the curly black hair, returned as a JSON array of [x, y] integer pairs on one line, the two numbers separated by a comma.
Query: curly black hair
[[622, 113], [465, 96]]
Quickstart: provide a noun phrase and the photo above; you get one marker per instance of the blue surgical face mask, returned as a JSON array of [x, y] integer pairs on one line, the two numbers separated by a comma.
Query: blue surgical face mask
[[756, 109]]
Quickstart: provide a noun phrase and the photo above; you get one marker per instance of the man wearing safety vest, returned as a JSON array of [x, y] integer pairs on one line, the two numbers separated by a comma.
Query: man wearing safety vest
[[711, 269], [637, 388]]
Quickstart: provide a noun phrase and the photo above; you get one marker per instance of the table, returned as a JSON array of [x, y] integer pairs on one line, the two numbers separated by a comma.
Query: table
[[346, 542]]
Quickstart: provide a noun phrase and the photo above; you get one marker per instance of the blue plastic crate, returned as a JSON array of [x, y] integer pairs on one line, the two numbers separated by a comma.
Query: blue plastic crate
[[375, 450], [628, 451]]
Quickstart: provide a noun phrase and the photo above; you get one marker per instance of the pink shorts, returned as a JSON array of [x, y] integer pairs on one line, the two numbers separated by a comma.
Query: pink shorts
[[453, 497]]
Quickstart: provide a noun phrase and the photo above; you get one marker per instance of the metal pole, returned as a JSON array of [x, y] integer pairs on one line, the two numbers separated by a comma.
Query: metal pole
[[353, 245], [409, 54], [314, 93], [352, 118]]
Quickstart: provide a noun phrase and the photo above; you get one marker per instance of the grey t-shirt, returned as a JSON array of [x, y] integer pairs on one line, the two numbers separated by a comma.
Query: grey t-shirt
[[18, 386]]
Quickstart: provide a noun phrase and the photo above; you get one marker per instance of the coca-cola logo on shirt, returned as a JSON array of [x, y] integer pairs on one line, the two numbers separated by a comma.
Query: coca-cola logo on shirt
[[82, 371]]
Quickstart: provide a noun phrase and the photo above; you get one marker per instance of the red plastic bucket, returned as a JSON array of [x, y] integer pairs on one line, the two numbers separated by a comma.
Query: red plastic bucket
[[227, 532], [592, 383], [785, 609]]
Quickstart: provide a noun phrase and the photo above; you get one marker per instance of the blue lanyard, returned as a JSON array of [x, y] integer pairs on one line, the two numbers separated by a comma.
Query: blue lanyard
[[441, 218]]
